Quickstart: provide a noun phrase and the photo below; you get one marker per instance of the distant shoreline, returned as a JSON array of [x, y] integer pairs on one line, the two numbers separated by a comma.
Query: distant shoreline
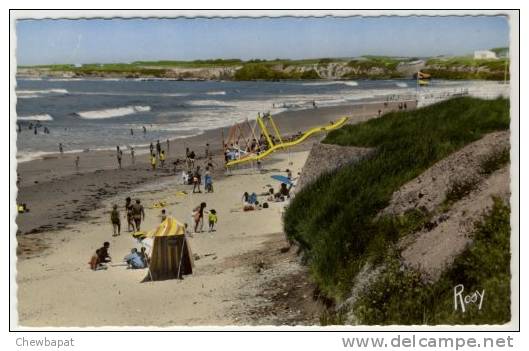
[[365, 67]]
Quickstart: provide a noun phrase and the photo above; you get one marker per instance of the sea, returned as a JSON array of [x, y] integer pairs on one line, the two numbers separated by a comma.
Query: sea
[[98, 114]]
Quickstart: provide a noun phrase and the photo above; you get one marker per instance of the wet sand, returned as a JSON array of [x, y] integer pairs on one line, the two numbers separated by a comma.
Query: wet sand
[[57, 194]]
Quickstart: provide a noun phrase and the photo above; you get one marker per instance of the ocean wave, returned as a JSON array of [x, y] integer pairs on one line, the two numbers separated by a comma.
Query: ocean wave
[[27, 94], [117, 93], [350, 83], [402, 85], [29, 78], [206, 103], [216, 93], [41, 117], [113, 112], [26, 156]]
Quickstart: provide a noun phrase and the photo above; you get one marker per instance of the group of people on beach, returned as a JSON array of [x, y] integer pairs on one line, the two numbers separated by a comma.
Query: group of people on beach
[[250, 201], [198, 218], [135, 260], [135, 213]]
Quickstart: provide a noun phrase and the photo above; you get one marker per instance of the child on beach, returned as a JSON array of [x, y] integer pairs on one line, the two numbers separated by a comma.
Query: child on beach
[[116, 222], [162, 158], [212, 219], [103, 254], [95, 262], [153, 161], [208, 181]]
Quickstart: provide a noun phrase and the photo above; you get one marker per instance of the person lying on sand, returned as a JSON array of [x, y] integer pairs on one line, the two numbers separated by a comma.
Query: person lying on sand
[[134, 260]]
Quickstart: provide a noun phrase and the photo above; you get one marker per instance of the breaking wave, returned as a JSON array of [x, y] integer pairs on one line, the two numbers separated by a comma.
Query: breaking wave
[[350, 83], [26, 94], [113, 112], [41, 117]]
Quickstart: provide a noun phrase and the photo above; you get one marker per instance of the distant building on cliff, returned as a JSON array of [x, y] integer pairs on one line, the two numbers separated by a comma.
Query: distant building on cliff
[[484, 55]]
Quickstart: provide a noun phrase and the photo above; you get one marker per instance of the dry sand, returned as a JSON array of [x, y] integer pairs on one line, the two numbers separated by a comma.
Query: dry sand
[[56, 287]]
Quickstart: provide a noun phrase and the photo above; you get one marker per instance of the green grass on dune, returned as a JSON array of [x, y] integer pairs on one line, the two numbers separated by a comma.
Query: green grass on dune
[[400, 297], [333, 219], [468, 68]]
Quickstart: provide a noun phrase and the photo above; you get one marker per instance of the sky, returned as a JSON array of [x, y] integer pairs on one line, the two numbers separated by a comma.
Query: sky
[[127, 40]]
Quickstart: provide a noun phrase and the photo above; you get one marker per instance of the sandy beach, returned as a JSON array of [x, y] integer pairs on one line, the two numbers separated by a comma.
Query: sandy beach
[[222, 291], [245, 272]]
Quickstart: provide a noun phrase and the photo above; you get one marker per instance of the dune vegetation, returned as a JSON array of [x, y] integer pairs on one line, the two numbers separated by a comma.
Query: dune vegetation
[[334, 220]]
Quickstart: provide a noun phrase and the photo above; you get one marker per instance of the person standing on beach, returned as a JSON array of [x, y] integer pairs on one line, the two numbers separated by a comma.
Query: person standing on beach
[[212, 219], [77, 163], [117, 149], [153, 162], [35, 130], [198, 216], [131, 132], [151, 147], [61, 149], [192, 159], [144, 130], [208, 181], [188, 162], [162, 158], [132, 154], [120, 155], [167, 142], [116, 222], [158, 147], [128, 209], [138, 213], [207, 151], [197, 180]]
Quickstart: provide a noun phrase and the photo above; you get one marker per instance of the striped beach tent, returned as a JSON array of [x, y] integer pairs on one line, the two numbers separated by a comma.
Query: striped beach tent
[[171, 255]]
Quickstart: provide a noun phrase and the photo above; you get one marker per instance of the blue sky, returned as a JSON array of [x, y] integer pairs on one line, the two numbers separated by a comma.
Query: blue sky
[[122, 40]]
